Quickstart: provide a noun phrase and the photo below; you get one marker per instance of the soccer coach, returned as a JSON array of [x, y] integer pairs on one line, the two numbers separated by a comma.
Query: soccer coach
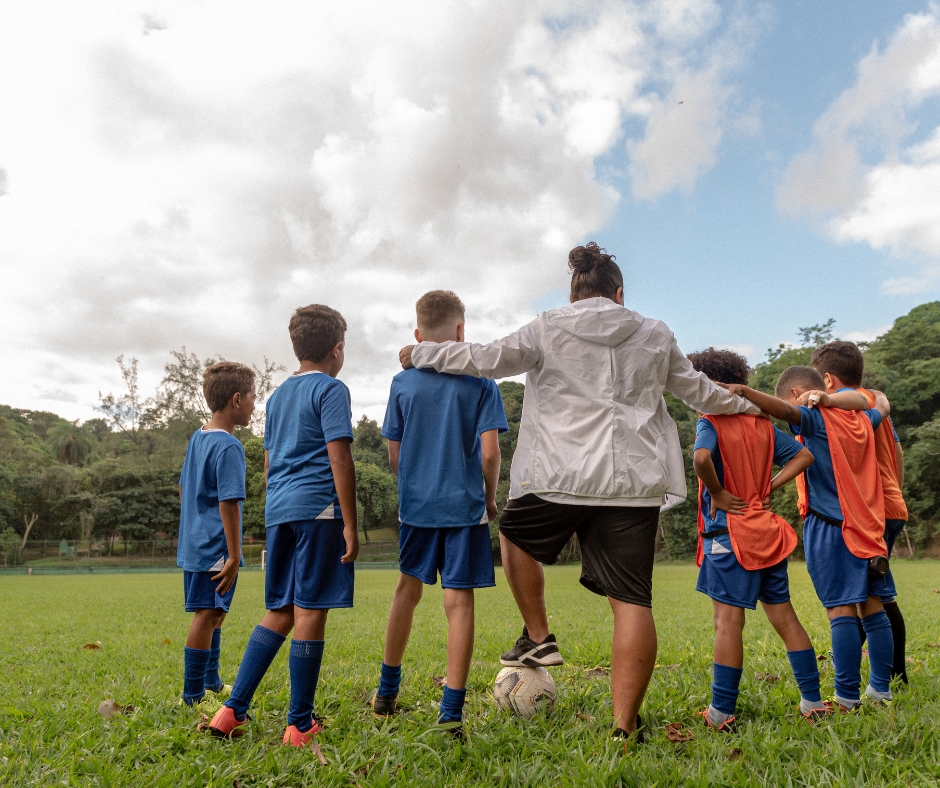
[[597, 455]]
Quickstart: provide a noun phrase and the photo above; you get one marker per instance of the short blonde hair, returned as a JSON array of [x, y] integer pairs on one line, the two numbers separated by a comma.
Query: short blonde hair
[[438, 308]]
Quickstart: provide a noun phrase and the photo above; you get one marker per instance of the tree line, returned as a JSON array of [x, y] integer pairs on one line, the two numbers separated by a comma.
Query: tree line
[[114, 477]]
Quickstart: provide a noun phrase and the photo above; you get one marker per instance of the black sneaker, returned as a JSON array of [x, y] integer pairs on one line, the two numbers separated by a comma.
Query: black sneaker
[[638, 736], [528, 653], [382, 708]]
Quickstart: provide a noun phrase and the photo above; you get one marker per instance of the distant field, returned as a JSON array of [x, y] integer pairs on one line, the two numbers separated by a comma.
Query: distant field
[[50, 732]]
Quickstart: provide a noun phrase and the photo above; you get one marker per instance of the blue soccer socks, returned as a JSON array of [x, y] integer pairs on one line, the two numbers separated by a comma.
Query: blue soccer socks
[[194, 674], [806, 673], [452, 705], [725, 683], [847, 656], [213, 681], [305, 659], [880, 650], [260, 652], [389, 681]]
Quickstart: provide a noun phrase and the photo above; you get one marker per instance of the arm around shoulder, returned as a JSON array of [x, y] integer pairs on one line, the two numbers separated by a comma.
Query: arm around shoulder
[[512, 355]]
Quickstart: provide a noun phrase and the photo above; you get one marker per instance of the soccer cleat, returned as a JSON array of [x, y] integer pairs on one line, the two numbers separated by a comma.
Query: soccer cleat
[[226, 724], [845, 706], [222, 692], [638, 735], [815, 715], [296, 738], [528, 653], [730, 725], [881, 699], [454, 729], [383, 708]]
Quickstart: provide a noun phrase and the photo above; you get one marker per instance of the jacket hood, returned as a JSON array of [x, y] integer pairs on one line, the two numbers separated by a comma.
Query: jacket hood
[[598, 320]]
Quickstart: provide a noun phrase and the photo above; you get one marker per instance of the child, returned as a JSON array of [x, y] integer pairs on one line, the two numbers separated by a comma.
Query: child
[[310, 515], [743, 547], [843, 531], [443, 446], [842, 365], [212, 487]]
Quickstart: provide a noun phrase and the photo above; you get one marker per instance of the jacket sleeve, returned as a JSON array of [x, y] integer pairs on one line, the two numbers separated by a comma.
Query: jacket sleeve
[[698, 392], [512, 355]]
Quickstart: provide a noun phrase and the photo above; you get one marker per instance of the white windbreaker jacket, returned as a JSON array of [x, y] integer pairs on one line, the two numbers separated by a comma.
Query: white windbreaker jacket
[[594, 424]]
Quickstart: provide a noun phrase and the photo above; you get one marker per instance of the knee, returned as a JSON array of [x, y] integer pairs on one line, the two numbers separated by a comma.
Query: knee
[[458, 600], [729, 619], [409, 590]]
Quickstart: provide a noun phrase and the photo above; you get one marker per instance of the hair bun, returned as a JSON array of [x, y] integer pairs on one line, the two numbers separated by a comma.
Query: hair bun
[[585, 259]]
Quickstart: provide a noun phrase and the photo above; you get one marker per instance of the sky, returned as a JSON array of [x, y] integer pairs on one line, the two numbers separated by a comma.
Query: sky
[[185, 174]]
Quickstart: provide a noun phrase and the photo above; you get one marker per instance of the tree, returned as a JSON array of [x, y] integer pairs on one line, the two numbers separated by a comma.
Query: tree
[[10, 546], [255, 488], [70, 443], [126, 412], [377, 495]]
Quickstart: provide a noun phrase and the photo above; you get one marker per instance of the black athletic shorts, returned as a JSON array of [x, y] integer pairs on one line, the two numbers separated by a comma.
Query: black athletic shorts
[[617, 542]]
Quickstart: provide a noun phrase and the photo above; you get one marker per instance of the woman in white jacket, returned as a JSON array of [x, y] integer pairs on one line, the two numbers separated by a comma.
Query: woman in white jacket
[[597, 455]]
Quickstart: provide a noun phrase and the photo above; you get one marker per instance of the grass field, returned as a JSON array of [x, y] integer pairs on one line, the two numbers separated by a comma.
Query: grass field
[[51, 733]]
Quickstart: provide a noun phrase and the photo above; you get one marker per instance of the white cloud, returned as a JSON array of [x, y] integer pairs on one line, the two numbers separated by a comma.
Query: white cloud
[[863, 174], [869, 335], [190, 173]]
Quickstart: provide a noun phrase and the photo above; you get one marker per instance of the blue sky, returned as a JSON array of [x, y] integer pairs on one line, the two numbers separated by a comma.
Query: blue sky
[[723, 264], [177, 174]]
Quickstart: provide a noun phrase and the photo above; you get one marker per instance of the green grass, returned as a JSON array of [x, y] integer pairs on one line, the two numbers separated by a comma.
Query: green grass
[[51, 734]]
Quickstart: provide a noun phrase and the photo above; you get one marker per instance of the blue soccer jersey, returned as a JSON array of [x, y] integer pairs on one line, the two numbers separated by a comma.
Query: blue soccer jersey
[[438, 418], [785, 449], [306, 412], [214, 470], [820, 478]]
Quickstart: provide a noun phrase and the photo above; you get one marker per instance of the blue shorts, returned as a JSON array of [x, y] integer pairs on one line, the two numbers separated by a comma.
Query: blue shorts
[[893, 530], [303, 566], [199, 590], [463, 556], [839, 577], [723, 579]]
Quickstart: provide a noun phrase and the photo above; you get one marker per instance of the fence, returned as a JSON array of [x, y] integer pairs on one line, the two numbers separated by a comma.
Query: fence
[[152, 553]]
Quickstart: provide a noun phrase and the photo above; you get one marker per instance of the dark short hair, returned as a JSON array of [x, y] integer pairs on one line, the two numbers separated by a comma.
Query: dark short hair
[[842, 359], [722, 366], [224, 380], [437, 308], [798, 376], [593, 272], [315, 330]]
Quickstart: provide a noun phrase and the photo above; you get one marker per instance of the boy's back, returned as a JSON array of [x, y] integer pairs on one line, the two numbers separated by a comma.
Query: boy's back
[[214, 470], [438, 419], [307, 411]]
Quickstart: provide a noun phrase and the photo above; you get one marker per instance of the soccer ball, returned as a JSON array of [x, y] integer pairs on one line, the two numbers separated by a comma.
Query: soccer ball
[[524, 691]]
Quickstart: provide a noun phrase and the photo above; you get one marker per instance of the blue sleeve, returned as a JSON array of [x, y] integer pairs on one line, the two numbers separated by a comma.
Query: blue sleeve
[[705, 436], [393, 428], [267, 425], [785, 447], [811, 421], [490, 414], [230, 473], [893, 430], [335, 411], [874, 416]]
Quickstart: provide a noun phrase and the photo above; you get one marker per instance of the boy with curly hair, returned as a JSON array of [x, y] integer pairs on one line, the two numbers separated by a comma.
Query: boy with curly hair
[[743, 546]]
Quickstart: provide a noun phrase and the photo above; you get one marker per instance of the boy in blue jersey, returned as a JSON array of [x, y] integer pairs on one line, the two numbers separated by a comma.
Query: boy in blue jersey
[[310, 516], [212, 487], [844, 582], [731, 587], [443, 446]]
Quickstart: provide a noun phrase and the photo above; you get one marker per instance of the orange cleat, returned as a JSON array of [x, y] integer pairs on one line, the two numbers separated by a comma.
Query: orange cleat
[[226, 724], [296, 738]]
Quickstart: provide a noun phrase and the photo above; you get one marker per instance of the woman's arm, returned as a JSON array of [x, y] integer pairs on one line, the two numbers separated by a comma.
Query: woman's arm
[[511, 355]]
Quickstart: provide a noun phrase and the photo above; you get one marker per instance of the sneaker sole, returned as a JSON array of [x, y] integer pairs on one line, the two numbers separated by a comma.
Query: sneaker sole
[[530, 660]]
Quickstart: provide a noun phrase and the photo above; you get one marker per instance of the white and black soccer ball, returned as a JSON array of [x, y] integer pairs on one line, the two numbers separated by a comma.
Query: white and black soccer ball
[[524, 691]]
